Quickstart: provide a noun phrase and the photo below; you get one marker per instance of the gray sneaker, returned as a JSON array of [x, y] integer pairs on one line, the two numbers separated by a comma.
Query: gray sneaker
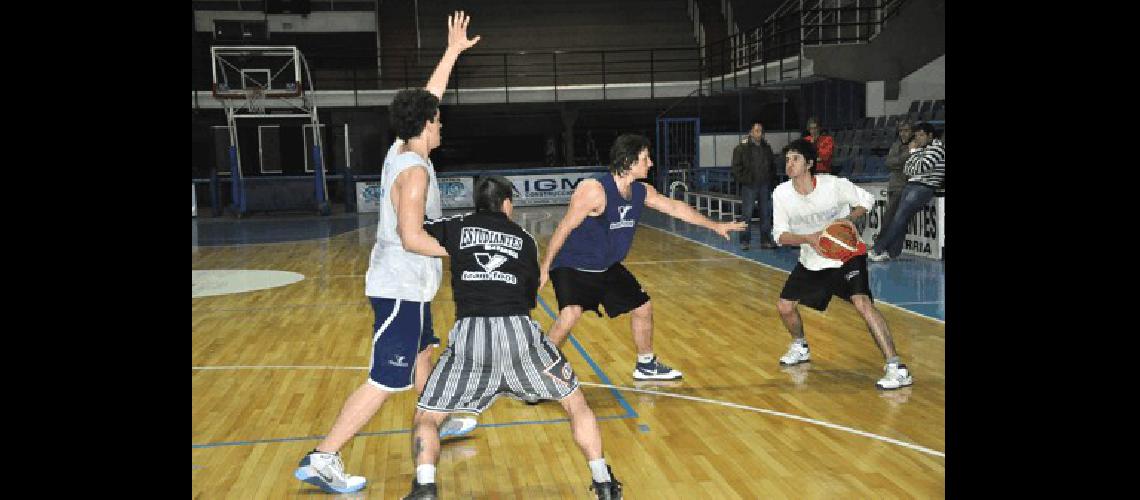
[[897, 375], [797, 353], [326, 471]]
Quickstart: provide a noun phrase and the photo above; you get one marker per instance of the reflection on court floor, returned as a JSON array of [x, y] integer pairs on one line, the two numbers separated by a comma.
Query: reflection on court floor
[[271, 367]]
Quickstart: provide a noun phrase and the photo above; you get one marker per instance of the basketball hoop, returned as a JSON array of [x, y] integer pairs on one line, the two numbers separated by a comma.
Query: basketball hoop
[[255, 99]]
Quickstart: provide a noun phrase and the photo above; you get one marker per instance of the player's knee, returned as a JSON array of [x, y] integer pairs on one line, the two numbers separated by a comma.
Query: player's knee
[[428, 417], [785, 307], [644, 310], [863, 304], [570, 313], [575, 404]]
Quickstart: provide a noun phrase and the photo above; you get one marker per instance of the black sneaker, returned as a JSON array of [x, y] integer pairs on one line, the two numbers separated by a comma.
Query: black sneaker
[[655, 370], [422, 491], [609, 490]]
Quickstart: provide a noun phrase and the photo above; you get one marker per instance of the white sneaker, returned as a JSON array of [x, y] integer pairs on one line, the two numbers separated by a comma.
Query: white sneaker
[[326, 471], [456, 426], [797, 353], [897, 376], [878, 257]]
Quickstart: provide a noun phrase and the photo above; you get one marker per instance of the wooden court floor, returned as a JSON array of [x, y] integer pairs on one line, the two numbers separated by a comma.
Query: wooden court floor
[[272, 367]]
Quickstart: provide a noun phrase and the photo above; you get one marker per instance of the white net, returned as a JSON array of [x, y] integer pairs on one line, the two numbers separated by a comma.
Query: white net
[[255, 99]]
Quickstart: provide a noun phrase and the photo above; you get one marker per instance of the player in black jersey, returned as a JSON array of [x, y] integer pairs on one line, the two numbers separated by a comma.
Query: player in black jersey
[[495, 347]]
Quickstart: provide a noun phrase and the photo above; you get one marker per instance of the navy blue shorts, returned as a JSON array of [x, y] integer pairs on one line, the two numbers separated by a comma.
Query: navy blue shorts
[[401, 331]]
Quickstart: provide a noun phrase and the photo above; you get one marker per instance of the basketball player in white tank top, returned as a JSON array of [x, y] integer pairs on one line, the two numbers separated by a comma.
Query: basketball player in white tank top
[[397, 279]]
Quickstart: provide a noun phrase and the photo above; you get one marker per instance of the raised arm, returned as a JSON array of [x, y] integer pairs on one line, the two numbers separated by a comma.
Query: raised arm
[[457, 42], [588, 199], [681, 210], [409, 194]]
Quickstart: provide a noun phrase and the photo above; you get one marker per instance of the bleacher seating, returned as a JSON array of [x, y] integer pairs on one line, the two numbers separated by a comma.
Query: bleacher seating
[[861, 150], [580, 30]]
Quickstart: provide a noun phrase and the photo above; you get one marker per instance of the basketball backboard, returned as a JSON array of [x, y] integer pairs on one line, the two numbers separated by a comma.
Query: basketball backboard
[[271, 71]]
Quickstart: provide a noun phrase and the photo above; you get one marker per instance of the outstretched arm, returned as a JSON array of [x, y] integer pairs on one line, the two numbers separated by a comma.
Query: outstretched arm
[[456, 42], [681, 210], [588, 198]]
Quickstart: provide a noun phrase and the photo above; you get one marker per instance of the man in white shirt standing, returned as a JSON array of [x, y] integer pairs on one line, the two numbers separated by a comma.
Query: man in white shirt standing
[[804, 205], [400, 284]]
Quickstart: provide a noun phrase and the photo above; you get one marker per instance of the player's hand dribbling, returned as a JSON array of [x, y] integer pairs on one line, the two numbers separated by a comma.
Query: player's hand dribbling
[[814, 242], [457, 31], [723, 228]]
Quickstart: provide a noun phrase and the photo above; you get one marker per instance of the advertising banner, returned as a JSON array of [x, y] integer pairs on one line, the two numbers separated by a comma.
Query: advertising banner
[[455, 192], [368, 196], [549, 189], [924, 234]]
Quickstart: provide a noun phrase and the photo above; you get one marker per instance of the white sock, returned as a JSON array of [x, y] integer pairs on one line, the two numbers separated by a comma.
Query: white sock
[[644, 358], [599, 470], [425, 473], [802, 341]]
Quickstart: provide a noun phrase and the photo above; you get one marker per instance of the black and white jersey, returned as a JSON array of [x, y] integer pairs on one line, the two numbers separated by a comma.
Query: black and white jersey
[[494, 263]]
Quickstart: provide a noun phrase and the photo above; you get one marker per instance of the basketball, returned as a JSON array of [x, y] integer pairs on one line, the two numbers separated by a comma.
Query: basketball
[[839, 241]]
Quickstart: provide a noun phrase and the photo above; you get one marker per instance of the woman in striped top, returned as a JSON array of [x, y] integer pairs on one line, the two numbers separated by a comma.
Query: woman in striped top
[[926, 177]]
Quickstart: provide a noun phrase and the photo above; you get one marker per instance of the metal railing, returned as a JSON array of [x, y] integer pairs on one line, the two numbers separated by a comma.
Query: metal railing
[[768, 53]]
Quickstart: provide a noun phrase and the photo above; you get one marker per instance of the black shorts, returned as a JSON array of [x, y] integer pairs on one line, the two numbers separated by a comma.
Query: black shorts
[[815, 288], [615, 288]]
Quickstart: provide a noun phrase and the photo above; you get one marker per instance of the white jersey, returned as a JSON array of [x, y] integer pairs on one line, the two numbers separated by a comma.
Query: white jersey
[[393, 272], [796, 213]]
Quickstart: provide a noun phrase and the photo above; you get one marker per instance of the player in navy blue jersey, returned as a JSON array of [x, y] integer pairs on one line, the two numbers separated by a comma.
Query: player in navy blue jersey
[[585, 252]]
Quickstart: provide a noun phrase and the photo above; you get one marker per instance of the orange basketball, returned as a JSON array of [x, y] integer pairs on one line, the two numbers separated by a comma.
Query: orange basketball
[[839, 241]]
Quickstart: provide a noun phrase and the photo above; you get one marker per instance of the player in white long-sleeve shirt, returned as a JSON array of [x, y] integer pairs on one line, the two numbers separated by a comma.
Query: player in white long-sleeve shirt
[[804, 205]]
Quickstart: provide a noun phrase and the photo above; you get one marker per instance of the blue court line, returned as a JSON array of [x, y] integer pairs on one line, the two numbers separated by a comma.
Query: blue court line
[[629, 411]]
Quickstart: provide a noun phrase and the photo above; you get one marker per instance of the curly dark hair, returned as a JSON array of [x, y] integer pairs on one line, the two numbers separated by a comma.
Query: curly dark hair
[[409, 110], [625, 151], [806, 149]]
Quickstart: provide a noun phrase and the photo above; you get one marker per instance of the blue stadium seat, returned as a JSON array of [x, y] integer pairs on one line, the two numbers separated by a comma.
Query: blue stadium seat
[[925, 110]]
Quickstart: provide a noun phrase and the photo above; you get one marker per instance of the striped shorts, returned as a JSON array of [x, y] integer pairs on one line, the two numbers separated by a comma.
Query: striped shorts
[[490, 356]]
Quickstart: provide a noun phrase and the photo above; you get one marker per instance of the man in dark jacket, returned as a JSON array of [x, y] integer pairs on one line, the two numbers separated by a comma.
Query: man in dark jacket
[[753, 168], [896, 158]]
